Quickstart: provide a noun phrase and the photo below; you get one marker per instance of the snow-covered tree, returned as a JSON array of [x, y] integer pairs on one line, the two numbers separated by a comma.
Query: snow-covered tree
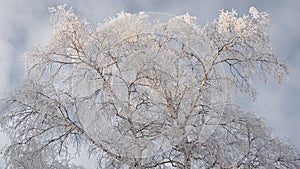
[[139, 92]]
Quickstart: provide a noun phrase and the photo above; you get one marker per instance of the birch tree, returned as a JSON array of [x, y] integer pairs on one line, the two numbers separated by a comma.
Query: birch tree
[[145, 93]]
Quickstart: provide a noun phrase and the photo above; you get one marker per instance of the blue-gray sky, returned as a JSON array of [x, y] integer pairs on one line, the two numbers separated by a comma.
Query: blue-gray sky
[[24, 25]]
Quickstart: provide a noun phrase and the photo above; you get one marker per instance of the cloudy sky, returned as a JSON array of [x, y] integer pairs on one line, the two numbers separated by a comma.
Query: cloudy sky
[[24, 25]]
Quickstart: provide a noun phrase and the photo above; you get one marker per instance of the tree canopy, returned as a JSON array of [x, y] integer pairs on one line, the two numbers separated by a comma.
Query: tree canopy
[[140, 92]]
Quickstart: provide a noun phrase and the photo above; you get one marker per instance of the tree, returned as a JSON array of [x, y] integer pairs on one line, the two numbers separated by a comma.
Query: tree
[[142, 93]]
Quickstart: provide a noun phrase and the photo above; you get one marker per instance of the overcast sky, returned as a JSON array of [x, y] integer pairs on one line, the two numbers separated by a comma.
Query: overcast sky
[[24, 25]]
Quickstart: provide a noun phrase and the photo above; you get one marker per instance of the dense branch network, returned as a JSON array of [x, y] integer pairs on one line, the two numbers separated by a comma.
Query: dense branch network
[[141, 93]]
